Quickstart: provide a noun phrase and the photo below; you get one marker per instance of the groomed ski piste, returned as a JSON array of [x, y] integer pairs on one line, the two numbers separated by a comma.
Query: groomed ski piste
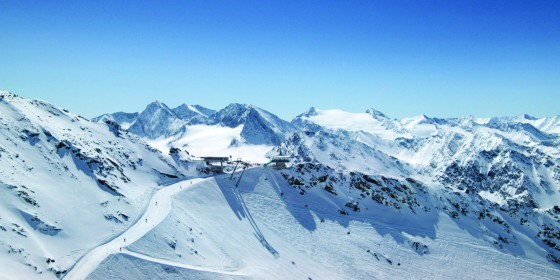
[[211, 229], [158, 208]]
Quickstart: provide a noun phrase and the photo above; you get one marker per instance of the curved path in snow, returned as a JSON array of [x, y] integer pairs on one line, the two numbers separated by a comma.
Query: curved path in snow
[[181, 265], [158, 209]]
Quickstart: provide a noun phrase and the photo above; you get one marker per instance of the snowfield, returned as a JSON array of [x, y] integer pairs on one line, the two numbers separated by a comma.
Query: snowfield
[[213, 140]]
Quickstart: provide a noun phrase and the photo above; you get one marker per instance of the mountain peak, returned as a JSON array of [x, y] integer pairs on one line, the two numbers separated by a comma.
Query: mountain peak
[[375, 113], [158, 104], [235, 114], [526, 117], [418, 119], [157, 120], [259, 126], [311, 112], [192, 113], [5, 93], [237, 106]]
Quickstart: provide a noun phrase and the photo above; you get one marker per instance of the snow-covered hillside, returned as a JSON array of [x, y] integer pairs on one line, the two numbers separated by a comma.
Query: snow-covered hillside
[[303, 224], [66, 184]]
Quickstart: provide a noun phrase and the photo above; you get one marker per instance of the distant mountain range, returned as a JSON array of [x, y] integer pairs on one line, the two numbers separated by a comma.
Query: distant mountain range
[[503, 159]]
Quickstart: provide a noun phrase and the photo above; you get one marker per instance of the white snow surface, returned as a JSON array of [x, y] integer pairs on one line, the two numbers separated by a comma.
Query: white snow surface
[[158, 208], [339, 119], [255, 232], [52, 204], [365, 197], [214, 140]]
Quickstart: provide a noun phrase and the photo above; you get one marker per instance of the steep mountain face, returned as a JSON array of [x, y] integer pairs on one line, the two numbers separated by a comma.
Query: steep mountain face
[[498, 158], [340, 150], [505, 164], [66, 185], [259, 126], [156, 121]]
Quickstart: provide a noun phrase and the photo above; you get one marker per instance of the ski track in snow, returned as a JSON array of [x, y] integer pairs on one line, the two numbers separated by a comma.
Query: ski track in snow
[[178, 264], [158, 208]]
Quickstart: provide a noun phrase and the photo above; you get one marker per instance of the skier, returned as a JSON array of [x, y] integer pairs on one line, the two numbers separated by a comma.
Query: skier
[[146, 220]]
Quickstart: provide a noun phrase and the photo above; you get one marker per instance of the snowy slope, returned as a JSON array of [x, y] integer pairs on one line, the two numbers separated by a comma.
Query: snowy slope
[[421, 126], [371, 121], [271, 227], [66, 184], [547, 124]]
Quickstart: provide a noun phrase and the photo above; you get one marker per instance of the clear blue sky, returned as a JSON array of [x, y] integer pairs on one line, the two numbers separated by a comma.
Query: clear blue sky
[[404, 58]]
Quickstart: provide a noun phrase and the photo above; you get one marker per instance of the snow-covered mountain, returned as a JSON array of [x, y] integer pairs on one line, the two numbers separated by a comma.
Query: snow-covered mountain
[[365, 196], [371, 121], [505, 164], [547, 125], [67, 184], [508, 157], [239, 130], [259, 126], [156, 121]]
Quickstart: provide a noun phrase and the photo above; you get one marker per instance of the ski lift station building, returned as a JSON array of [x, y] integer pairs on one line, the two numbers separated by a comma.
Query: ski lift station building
[[212, 163], [279, 161]]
